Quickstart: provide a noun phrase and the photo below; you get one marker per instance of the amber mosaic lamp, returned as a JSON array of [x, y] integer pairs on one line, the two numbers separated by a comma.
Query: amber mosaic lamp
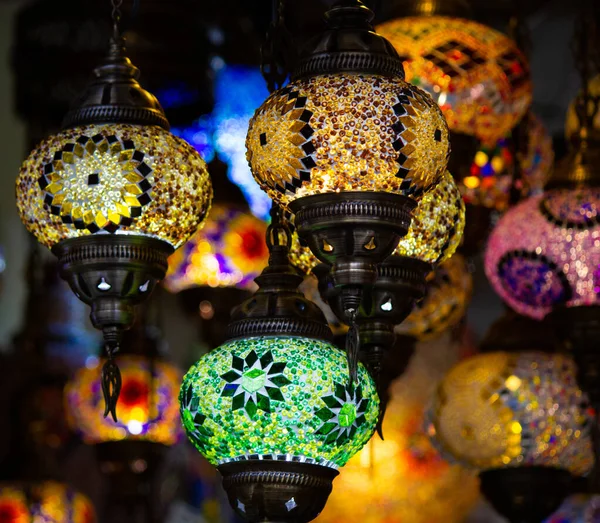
[[273, 407], [113, 194], [349, 148]]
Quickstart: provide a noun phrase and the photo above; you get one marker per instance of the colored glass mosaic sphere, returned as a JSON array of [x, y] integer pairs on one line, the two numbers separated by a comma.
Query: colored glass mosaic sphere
[[445, 302], [477, 75], [437, 225], [491, 178], [513, 409], [282, 398], [117, 178], [546, 252], [48, 502], [435, 231], [347, 132], [147, 408], [229, 251]]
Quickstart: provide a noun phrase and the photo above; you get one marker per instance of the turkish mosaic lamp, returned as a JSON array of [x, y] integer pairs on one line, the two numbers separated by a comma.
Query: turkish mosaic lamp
[[519, 418], [47, 501], [113, 194], [273, 407], [349, 148]]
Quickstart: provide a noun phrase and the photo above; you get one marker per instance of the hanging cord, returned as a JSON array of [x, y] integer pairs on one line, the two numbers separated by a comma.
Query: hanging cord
[[278, 50]]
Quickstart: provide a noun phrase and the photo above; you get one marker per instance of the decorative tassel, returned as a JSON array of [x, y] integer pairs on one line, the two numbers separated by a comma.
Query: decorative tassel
[[111, 384]]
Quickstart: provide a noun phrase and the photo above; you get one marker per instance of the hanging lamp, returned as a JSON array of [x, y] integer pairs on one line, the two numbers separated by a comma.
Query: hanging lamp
[[272, 408], [113, 195], [349, 148]]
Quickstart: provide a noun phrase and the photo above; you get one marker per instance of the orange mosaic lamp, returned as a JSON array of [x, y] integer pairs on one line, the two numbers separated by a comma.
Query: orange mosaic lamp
[[229, 251], [148, 409], [48, 502], [478, 76]]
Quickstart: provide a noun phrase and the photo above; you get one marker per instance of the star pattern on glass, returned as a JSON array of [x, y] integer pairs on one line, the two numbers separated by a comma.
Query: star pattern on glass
[[343, 414], [193, 420], [253, 382], [97, 183]]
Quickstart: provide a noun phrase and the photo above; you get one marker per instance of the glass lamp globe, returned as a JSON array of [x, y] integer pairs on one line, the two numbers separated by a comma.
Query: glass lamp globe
[[477, 76], [491, 175], [499, 410], [229, 251], [277, 398], [148, 409], [545, 252], [445, 302], [48, 502]]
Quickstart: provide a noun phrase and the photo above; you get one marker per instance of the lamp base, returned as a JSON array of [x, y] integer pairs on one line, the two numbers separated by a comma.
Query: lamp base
[[353, 232], [526, 494], [277, 491], [112, 273]]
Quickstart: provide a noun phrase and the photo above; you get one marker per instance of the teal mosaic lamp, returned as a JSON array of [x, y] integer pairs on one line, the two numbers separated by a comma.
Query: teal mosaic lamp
[[274, 407]]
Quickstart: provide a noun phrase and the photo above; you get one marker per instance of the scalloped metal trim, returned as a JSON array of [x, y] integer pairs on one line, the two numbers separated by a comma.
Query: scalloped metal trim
[[350, 62], [301, 479], [278, 327], [106, 114]]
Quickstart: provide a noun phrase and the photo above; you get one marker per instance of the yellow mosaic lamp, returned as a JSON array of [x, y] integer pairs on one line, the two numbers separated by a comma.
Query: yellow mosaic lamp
[[521, 419], [113, 195], [349, 148], [477, 75]]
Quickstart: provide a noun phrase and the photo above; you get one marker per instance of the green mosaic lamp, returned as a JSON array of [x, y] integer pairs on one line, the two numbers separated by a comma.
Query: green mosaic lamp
[[274, 408]]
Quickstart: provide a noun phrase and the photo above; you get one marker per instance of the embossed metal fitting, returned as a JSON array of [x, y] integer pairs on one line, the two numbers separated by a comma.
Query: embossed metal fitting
[[115, 96], [112, 273], [282, 491], [349, 44]]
